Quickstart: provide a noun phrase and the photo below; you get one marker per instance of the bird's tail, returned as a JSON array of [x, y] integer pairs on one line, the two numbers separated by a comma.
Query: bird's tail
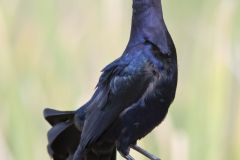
[[64, 136]]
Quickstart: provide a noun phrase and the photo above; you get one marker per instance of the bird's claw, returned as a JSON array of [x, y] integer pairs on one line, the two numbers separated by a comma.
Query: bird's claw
[[128, 157], [144, 152], [154, 158]]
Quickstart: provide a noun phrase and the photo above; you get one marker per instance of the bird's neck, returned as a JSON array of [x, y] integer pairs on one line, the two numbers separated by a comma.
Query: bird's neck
[[147, 22]]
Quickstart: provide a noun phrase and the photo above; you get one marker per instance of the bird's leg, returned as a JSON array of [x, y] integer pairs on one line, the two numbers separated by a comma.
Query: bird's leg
[[144, 152], [129, 157], [125, 154]]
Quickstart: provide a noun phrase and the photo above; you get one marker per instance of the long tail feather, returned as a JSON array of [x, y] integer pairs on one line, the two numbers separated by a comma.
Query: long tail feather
[[63, 140], [64, 136], [53, 116]]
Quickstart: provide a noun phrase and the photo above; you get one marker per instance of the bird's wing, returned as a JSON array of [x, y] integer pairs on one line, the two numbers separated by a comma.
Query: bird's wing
[[122, 83]]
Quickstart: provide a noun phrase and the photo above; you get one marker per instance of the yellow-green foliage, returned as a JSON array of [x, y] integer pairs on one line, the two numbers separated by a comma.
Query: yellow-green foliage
[[52, 51]]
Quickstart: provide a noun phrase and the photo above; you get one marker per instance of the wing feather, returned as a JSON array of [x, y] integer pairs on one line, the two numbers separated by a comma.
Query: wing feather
[[122, 83]]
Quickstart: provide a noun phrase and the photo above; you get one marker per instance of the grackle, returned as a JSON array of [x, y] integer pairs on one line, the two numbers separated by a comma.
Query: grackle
[[132, 96]]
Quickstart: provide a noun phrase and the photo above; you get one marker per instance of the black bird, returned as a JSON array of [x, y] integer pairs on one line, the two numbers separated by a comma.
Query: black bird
[[132, 96]]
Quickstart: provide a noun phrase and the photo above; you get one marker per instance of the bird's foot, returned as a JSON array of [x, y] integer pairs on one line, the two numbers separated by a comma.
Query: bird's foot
[[128, 157], [144, 152], [125, 154]]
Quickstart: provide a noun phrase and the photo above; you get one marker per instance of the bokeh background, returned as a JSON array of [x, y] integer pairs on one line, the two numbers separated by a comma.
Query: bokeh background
[[52, 51]]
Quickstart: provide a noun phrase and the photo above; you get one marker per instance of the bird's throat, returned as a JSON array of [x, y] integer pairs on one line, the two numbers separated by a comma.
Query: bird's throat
[[147, 13], [148, 24]]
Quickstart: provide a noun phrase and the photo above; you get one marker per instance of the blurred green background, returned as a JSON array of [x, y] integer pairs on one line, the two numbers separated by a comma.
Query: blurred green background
[[52, 51]]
